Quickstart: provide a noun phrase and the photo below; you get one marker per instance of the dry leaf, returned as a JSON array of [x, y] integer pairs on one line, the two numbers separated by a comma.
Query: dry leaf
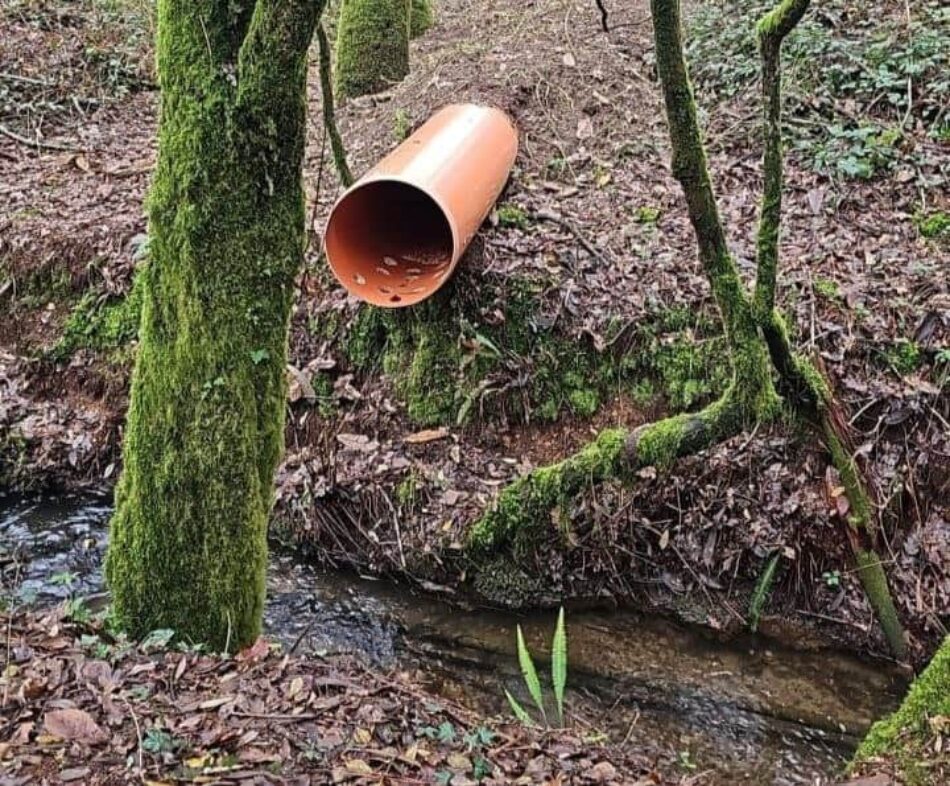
[[427, 435], [74, 725], [585, 128]]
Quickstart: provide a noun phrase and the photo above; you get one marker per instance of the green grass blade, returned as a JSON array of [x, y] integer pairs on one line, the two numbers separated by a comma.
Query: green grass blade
[[761, 593], [559, 664], [518, 710], [530, 674]]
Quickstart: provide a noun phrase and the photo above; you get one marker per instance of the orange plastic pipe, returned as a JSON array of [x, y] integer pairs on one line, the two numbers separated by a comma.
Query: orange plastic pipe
[[397, 234]]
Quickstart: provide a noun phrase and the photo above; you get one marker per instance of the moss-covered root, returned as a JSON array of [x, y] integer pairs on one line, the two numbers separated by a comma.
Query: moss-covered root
[[329, 108], [874, 581], [421, 17], [372, 46], [526, 505], [905, 739], [204, 432]]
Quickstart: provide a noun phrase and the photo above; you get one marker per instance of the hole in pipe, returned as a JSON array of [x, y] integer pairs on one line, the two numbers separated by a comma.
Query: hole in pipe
[[385, 230]]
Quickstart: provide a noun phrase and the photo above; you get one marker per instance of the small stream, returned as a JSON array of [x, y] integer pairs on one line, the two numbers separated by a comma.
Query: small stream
[[746, 711]]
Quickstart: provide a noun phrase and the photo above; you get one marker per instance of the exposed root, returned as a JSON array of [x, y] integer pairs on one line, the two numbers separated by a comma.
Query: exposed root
[[526, 506]]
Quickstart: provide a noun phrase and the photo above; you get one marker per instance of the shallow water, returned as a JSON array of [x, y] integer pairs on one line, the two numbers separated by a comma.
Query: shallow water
[[749, 711]]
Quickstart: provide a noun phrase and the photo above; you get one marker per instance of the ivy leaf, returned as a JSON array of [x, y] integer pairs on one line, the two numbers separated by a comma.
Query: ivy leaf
[[258, 356]]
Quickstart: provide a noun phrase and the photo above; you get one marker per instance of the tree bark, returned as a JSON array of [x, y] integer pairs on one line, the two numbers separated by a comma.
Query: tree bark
[[372, 46], [226, 225]]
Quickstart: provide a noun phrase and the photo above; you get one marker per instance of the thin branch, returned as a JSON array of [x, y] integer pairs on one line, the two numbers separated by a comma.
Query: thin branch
[[691, 169], [23, 140], [772, 29], [329, 110]]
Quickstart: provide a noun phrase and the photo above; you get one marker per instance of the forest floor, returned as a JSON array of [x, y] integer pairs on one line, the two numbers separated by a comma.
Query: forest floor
[[582, 305], [83, 707]]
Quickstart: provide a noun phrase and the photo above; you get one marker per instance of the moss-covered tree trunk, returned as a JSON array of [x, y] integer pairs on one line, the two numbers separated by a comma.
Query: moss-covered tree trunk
[[372, 46], [421, 17], [226, 226], [906, 742]]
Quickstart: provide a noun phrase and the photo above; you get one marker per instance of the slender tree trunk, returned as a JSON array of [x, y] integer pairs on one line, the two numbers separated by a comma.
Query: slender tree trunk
[[372, 46], [226, 224], [329, 108]]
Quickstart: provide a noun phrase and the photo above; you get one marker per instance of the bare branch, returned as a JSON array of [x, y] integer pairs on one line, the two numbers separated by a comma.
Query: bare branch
[[772, 29], [603, 15]]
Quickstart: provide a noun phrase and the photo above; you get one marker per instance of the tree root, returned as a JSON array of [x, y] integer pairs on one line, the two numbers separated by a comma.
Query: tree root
[[526, 505]]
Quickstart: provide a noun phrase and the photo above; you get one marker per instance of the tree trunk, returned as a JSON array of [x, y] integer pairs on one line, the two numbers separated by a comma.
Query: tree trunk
[[421, 17], [905, 741], [372, 46], [204, 432]]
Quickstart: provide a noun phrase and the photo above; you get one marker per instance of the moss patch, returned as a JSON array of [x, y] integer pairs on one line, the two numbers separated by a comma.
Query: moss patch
[[904, 356], [450, 368], [934, 225], [421, 17], [101, 324], [905, 739]]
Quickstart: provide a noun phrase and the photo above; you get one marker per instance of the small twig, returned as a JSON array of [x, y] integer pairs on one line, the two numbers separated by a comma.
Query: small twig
[[23, 140], [138, 735], [278, 716], [545, 215]]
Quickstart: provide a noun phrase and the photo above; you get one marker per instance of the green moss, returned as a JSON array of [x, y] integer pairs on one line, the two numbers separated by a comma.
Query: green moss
[[584, 401], [827, 288], [372, 46], [904, 356], [512, 216], [101, 323], [906, 738], [421, 17], [322, 385], [647, 215], [408, 490], [204, 433], [402, 124], [689, 371], [933, 225]]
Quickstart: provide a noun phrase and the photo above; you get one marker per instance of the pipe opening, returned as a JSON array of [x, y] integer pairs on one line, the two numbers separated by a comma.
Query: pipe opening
[[389, 243]]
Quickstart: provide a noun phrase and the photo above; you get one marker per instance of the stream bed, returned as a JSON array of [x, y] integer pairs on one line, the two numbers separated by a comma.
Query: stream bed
[[743, 711]]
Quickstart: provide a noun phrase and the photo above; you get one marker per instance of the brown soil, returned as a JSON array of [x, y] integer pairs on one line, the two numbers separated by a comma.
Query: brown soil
[[692, 540]]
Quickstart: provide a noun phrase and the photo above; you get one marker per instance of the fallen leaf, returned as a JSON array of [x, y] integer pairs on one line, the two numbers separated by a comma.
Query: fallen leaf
[[585, 128], [427, 435], [74, 725]]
